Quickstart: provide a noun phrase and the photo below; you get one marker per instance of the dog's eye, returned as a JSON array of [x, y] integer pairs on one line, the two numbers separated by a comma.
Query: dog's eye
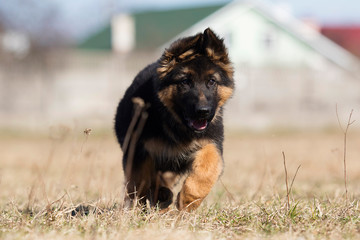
[[185, 82], [211, 82]]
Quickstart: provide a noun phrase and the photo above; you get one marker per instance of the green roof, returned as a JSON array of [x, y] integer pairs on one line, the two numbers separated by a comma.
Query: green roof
[[153, 28], [101, 40]]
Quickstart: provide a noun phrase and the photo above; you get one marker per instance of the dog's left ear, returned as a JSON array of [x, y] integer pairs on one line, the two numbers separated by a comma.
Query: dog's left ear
[[214, 47]]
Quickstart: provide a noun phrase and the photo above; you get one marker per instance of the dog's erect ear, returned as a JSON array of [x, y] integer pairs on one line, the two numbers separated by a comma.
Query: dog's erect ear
[[180, 50], [183, 45], [214, 47], [212, 41], [185, 49], [200, 43]]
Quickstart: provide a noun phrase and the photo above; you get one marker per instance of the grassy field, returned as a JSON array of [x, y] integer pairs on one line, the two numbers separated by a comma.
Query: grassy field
[[43, 179]]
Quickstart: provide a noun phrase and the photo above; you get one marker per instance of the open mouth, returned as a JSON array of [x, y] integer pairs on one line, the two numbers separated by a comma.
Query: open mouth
[[198, 124]]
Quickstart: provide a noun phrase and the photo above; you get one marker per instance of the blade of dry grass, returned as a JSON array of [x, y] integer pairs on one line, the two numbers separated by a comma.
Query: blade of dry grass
[[287, 183]]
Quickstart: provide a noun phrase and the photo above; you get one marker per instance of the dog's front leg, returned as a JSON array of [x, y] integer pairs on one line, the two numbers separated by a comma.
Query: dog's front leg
[[206, 168]]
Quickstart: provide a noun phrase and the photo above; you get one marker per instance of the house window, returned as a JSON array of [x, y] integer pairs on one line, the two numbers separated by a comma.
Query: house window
[[269, 39]]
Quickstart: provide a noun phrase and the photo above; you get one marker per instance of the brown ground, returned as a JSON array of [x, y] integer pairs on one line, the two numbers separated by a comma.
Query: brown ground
[[35, 171]]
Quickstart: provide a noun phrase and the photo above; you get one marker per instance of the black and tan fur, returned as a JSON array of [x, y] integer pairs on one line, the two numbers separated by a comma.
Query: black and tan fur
[[185, 91]]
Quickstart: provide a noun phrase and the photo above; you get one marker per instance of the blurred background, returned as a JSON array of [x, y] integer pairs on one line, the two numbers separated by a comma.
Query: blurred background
[[69, 62]]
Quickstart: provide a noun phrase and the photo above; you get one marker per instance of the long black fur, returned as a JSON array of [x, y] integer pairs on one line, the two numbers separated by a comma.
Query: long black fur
[[161, 123]]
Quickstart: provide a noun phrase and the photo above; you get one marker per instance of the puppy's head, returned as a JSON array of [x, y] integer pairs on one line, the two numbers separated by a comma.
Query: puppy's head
[[195, 79]]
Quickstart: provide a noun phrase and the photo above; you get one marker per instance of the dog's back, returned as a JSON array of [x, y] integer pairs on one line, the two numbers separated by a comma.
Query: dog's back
[[141, 87]]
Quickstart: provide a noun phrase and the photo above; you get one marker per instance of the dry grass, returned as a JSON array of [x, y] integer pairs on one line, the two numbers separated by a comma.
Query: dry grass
[[44, 179]]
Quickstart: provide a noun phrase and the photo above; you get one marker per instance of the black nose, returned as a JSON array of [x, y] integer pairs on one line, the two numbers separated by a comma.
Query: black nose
[[203, 112]]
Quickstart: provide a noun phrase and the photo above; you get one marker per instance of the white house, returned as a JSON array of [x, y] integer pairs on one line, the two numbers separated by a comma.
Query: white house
[[286, 73], [265, 35]]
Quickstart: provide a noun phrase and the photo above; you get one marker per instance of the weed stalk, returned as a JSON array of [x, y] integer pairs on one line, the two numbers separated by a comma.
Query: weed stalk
[[345, 132]]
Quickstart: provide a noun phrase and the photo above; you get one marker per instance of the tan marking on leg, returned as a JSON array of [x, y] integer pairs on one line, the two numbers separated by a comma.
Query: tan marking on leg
[[169, 179], [206, 169], [161, 194], [139, 182]]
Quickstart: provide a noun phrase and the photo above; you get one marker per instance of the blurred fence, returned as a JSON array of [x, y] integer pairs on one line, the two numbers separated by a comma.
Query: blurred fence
[[82, 89]]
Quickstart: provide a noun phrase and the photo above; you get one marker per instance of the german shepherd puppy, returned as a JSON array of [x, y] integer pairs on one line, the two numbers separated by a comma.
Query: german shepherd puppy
[[185, 91]]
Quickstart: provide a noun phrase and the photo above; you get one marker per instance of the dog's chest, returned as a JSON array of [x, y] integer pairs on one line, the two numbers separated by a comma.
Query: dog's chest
[[171, 157]]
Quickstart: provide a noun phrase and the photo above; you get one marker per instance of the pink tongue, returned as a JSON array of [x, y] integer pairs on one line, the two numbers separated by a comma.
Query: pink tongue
[[199, 124]]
